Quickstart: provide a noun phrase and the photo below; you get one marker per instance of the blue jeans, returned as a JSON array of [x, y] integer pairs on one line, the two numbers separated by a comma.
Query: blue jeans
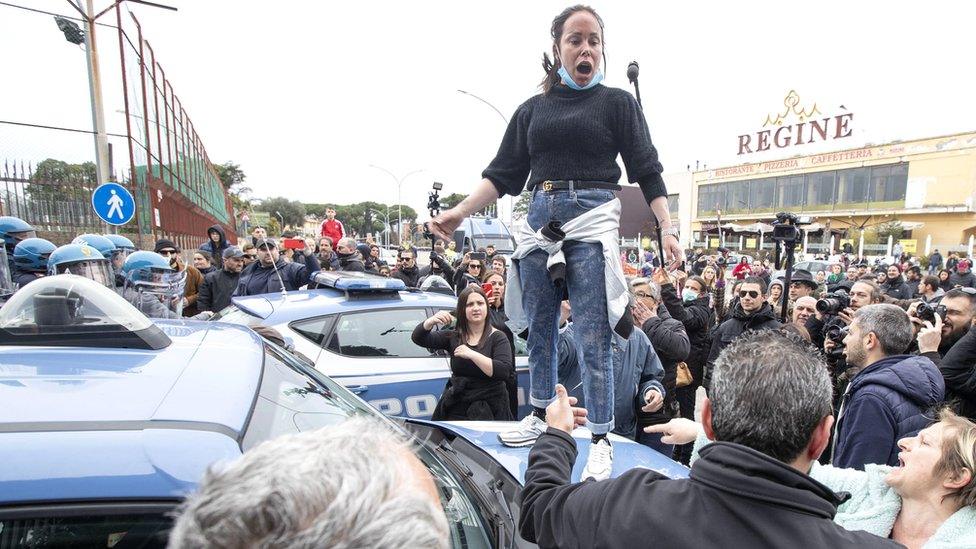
[[588, 297]]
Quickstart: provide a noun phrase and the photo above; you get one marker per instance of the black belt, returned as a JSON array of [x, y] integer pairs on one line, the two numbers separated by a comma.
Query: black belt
[[565, 185]]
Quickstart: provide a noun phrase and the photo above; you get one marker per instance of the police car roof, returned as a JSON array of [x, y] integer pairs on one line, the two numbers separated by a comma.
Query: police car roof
[[308, 303], [89, 423]]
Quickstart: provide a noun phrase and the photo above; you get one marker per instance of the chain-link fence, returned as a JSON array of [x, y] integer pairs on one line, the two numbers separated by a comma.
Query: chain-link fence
[[47, 158]]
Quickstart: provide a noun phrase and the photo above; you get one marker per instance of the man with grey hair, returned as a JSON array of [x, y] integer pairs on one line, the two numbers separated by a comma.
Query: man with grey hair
[[356, 484], [887, 399], [769, 413]]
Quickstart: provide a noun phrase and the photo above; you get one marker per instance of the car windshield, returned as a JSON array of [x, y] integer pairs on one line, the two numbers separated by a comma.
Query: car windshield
[[502, 244], [316, 407], [69, 526]]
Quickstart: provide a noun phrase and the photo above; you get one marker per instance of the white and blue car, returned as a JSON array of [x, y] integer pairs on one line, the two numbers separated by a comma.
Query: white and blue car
[[109, 420]]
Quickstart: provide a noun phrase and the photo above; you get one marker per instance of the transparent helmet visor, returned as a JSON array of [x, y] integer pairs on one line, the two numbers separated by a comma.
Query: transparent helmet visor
[[118, 258], [6, 286], [23, 235], [157, 292], [99, 271]]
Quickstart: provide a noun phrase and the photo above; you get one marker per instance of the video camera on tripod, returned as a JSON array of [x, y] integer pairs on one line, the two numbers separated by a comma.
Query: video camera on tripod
[[434, 209], [786, 235]]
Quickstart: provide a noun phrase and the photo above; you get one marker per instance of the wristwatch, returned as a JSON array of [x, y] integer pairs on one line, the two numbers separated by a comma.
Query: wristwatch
[[673, 231]]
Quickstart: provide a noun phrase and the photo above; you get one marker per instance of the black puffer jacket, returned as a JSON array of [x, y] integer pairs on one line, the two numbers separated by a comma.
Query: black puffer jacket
[[409, 275], [698, 319], [739, 323], [897, 288]]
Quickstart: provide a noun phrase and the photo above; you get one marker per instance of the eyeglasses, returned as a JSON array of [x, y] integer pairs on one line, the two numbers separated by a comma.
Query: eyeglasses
[[474, 266], [751, 293], [249, 256], [642, 294]]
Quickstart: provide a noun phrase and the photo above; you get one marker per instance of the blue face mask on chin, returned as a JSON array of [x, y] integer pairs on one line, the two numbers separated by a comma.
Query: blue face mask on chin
[[568, 80]]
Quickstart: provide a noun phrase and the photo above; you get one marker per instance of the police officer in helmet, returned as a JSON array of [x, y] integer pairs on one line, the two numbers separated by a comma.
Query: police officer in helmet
[[81, 260], [13, 230], [30, 260], [154, 287]]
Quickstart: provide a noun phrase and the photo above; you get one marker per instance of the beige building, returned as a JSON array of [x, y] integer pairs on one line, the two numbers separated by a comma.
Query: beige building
[[929, 185]]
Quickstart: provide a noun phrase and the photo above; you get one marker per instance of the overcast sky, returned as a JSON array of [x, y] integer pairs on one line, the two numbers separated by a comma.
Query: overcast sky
[[305, 95]]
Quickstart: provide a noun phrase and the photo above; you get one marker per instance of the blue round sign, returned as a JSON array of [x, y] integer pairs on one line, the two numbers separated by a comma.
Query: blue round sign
[[113, 204]]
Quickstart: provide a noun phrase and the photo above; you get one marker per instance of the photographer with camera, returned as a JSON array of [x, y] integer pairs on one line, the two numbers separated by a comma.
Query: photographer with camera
[[890, 393]]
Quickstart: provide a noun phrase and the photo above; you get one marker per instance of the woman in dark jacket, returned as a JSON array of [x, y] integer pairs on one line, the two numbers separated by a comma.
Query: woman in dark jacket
[[693, 311], [944, 283], [481, 361]]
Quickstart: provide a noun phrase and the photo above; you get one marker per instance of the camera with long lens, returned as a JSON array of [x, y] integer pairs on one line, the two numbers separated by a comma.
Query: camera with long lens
[[927, 312], [836, 334], [434, 209], [833, 303]]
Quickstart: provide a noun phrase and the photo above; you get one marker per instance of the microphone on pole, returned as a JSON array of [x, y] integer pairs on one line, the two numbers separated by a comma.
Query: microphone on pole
[[633, 71]]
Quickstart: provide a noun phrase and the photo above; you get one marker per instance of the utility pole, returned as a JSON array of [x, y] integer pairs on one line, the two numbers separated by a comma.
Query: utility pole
[[95, 90], [511, 199]]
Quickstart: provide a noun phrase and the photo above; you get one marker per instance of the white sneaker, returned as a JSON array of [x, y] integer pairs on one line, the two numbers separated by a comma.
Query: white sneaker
[[600, 461], [525, 433]]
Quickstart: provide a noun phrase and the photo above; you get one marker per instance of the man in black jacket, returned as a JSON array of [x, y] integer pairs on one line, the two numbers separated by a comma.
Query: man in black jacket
[[408, 271], [750, 313], [692, 310], [218, 286], [349, 257], [747, 489], [895, 285], [271, 273]]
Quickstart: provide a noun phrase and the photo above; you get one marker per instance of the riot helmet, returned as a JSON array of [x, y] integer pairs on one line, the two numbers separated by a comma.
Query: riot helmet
[[81, 260], [31, 254], [152, 285], [123, 247], [104, 246], [13, 230]]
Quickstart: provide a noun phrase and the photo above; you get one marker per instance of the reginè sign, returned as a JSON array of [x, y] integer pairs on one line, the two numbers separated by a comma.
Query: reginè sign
[[806, 126]]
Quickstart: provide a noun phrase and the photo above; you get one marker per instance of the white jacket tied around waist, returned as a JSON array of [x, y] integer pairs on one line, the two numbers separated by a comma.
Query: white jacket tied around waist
[[600, 225]]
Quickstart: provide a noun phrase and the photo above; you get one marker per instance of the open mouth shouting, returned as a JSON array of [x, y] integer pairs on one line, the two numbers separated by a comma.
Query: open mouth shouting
[[584, 68]]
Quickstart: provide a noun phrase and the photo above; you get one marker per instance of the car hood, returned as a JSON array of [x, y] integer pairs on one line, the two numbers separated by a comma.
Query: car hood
[[627, 454]]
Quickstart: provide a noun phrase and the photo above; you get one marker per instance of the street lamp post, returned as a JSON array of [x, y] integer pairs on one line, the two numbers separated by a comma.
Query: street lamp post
[[399, 182], [511, 199], [282, 218], [386, 217]]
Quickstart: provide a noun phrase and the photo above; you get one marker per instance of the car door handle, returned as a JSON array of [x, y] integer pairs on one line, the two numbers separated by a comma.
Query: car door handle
[[357, 389]]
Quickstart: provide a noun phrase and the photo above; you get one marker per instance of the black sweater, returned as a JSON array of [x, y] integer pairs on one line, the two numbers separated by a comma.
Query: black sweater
[[469, 394], [496, 347], [577, 135]]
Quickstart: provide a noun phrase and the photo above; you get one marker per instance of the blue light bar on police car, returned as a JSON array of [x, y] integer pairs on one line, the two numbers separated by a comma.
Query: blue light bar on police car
[[357, 282]]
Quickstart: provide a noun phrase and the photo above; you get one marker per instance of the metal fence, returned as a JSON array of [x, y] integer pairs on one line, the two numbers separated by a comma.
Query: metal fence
[[57, 205]]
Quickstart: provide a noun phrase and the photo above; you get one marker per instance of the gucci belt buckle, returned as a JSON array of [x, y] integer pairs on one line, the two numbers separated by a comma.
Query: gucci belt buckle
[[547, 186]]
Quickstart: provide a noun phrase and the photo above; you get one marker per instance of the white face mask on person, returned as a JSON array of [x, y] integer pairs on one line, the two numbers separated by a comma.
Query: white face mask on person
[[568, 80], [688, 295]]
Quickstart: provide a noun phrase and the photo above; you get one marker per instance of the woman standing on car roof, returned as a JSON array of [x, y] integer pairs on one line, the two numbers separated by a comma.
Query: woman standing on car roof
[[481, 361], [565, 142]]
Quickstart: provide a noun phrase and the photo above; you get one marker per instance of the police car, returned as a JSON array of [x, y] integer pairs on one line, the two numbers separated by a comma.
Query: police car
[[110, 419], [356, 329]]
